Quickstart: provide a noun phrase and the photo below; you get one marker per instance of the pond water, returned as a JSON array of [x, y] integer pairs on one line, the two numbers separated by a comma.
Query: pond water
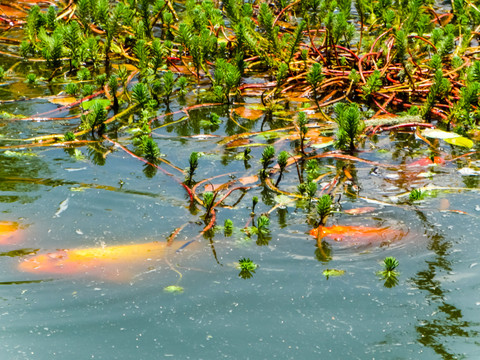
[[98, 196], [288, 309]]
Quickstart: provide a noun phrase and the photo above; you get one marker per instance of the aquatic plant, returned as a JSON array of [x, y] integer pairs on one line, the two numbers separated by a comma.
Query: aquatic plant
[[350, 126], [247, 268], [267, 159], [208, 198], [254, 203], [416, 195], [302, 130], [228, 227], [149, 148], [324, 208], [193, 164], [282, 163], [389, 274]]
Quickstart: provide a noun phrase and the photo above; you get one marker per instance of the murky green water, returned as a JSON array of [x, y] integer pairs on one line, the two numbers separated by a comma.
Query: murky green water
[[98, 195]]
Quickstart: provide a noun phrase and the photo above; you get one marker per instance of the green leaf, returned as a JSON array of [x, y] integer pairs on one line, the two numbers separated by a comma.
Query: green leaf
[[88, 104], [173, 289], [460, 141], [9, 153], [333, 272]]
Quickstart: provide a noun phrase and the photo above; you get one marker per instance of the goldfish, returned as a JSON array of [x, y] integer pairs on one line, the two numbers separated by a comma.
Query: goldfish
[[110, 262], [357, 234], [437, 160], [360, 210], [9, 233]]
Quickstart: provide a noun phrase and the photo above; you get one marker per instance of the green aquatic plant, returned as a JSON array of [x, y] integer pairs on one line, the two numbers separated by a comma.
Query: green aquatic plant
[[350, 126], [282, 160], [141, 94], [254, 203], [208, 198], [324, 208], [113, 88], [72, 89], [31, 78], [69, 136], [228, 227], [267, 159], [263, 230], [372, 85], [332, 272], [314, 78], [149, 148], [389, 274], [302, 130], [2, 73], [247, 268], [416, 195], [193, 164]]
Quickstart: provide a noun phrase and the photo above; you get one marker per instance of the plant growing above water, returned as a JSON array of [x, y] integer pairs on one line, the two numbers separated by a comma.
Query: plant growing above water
[[267, 159], [302, 130], [350, 126], [254, 203], [228, 227], [389, 274], [247, 268], [416, 195], [149, 148], [324, 208], [193, 164], [282, 163]]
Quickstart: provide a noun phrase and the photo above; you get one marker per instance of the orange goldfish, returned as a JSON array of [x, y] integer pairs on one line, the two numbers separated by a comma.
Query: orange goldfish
[[357, 234], [110, 262], [9, 233]]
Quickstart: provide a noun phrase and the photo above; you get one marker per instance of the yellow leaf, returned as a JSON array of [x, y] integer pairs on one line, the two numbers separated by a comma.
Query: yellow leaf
[[460, 141], [63, 100]]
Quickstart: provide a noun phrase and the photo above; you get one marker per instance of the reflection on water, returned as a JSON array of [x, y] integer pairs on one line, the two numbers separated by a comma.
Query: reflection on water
[[446, 320]]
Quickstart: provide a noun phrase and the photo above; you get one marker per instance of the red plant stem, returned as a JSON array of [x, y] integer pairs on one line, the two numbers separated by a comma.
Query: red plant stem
[[189, 192], [381, 107], [213, 217], [399, 126], [360, 68], [228, 194], [75, 103]]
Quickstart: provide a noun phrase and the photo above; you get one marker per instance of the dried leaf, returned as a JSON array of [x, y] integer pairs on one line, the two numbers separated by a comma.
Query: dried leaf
[[248, 113], [63, 100], [248, 180]]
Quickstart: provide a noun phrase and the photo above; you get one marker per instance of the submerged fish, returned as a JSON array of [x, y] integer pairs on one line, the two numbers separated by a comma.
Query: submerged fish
[[9, 233], [116, 263], [357, 234]]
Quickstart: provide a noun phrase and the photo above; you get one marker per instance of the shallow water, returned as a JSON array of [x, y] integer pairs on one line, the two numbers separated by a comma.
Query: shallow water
[[101, 196]]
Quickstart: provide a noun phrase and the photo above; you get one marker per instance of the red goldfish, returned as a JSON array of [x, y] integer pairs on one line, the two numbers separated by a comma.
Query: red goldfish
[[357, 234], [111, 262]]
